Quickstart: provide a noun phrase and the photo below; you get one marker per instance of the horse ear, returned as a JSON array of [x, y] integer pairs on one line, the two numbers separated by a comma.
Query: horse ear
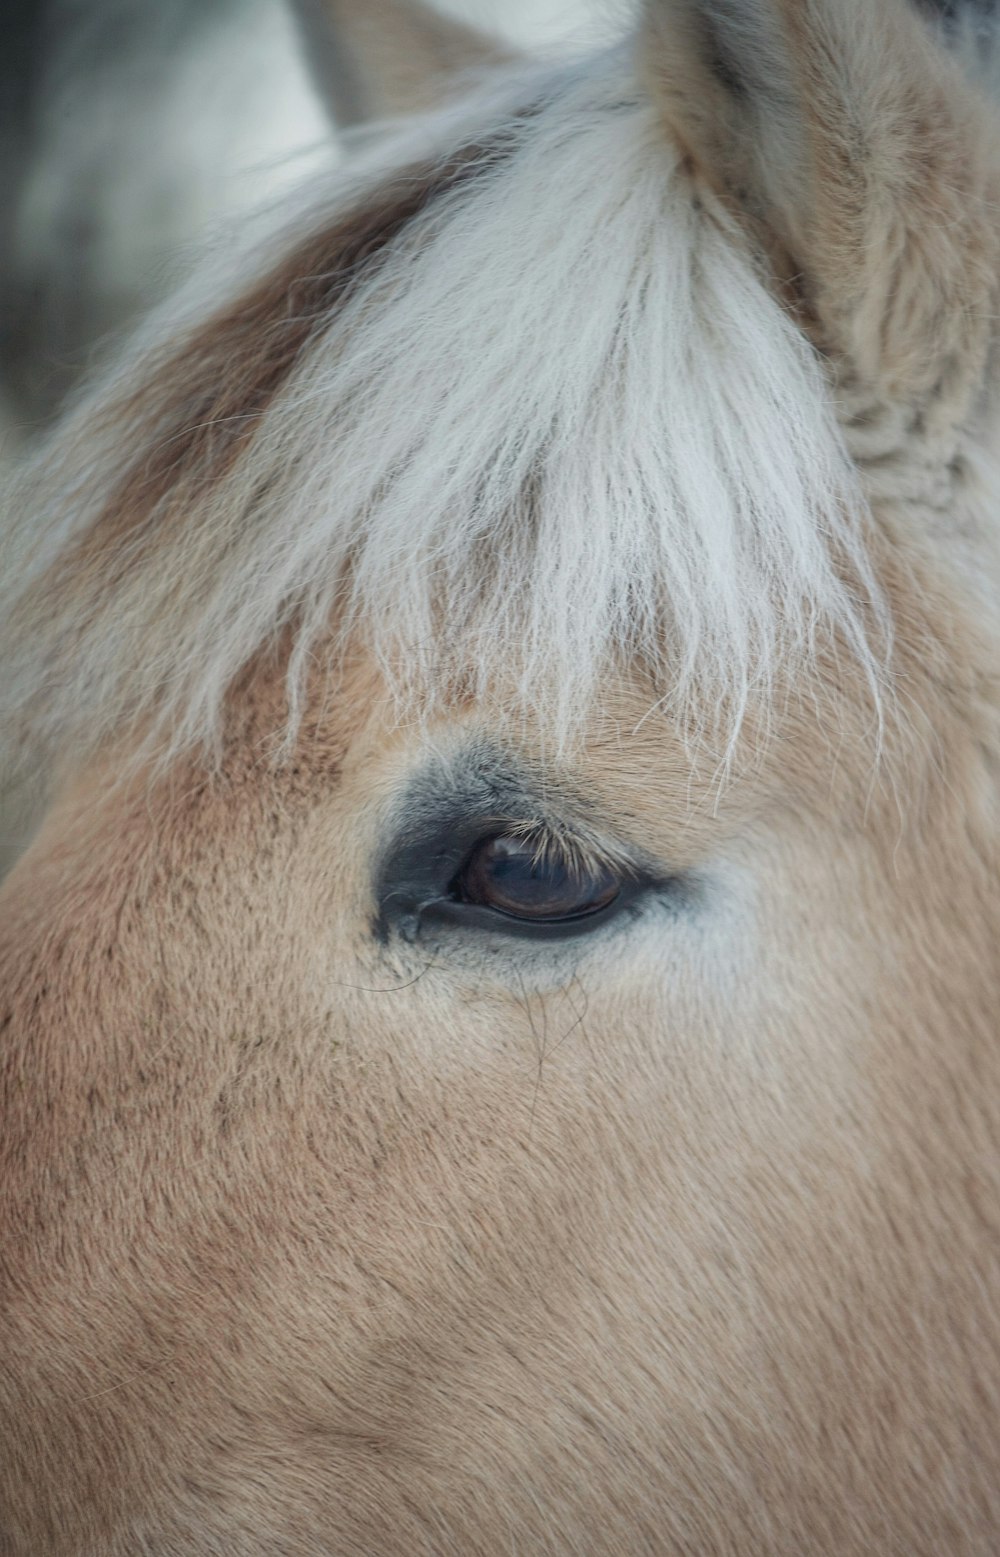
[[374, 58], [845, 135]]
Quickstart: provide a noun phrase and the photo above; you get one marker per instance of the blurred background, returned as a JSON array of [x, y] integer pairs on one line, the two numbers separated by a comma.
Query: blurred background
[[129, 129]]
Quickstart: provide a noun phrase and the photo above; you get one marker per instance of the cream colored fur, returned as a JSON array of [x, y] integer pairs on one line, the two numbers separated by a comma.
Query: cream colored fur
[[677, 1240]]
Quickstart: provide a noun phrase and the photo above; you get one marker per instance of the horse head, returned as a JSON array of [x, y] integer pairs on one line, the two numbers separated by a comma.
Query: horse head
[[499, 1016]]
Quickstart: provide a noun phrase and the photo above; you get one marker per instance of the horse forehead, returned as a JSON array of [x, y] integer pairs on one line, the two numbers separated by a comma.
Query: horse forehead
[[632, 767]]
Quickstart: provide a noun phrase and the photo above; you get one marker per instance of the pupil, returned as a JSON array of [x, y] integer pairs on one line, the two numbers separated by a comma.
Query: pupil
[[508, 874]]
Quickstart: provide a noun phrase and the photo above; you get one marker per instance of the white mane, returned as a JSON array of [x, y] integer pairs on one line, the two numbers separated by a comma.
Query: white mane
[[561, 418]]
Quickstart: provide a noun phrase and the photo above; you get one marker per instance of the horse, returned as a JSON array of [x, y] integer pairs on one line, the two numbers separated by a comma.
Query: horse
[[499, 1016]]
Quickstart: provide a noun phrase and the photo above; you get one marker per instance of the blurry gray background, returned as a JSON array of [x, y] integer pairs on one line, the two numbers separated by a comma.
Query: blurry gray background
[[130, 129]]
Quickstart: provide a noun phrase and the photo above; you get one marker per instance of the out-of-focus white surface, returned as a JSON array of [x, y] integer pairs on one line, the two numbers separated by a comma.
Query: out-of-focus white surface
[[543, 23], [268, 126]]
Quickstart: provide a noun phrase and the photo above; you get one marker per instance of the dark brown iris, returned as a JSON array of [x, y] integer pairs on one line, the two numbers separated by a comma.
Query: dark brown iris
[[512, 876]]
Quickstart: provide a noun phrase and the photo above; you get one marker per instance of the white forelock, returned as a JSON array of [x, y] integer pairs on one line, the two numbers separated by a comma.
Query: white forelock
[[562, 420]]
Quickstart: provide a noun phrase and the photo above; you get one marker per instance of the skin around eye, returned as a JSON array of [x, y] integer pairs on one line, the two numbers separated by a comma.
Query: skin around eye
[[511, 876], [475, 851]]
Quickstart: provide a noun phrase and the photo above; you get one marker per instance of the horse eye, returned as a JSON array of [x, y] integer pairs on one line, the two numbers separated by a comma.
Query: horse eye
[[511, 876]]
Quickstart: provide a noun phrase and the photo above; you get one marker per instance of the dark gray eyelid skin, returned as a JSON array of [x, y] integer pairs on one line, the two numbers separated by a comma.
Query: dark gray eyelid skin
[[447, 811]]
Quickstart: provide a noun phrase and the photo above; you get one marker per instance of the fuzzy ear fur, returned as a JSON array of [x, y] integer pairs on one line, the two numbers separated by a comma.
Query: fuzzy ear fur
[[843, 133], [374, 58]]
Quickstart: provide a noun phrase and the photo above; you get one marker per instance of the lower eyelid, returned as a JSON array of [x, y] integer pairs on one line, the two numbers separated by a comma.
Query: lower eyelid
[[444, 912]]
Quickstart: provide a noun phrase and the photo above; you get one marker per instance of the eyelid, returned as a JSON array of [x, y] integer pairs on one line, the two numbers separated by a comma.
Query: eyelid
[[455, 803], [445, 911], [416, 879]]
